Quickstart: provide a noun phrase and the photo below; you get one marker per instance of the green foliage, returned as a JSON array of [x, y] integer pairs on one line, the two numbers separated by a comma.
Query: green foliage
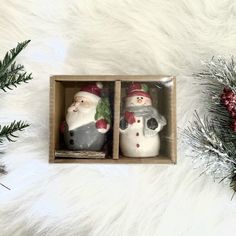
[[221, 70], [8, 131], [12, 74], [103, 110], [211, 138]]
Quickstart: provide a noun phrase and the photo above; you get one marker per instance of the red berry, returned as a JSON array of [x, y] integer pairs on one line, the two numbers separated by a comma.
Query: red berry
[[228, 99], [230, 94], [230, 107], [226, 102]]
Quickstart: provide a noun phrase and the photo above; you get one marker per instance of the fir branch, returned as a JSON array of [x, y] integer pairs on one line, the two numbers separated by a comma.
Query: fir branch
[[15, 69], [221, 70], [8, 131], [219, 74], [12, 74], [12, 80], [211, 138], [207, 145], [11, 55]]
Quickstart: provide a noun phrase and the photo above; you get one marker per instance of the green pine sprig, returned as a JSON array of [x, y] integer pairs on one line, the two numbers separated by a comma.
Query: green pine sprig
[[103, 110], [11, 55], [12, 74], [8, 131]]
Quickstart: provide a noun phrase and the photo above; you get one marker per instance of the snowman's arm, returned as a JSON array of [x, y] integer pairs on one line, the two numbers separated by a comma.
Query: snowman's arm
[[152, 124], [155, 124], [123, 125]]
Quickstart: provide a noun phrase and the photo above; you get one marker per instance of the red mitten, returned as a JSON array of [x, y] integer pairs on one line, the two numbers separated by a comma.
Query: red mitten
[[129, 117], [101, 124]]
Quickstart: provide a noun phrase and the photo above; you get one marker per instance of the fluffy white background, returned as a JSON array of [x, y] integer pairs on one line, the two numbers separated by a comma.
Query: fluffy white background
[[110, 37]]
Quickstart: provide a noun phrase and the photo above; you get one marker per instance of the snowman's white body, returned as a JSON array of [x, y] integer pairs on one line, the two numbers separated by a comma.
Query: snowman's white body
[[133, 143]]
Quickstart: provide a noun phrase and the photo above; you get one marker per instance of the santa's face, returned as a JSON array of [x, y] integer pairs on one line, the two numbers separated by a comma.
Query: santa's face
[[82, 111], [83, 104], [138, 101]]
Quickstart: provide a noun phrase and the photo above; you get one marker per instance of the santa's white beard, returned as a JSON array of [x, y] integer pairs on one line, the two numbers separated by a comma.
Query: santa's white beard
[[79, 118]]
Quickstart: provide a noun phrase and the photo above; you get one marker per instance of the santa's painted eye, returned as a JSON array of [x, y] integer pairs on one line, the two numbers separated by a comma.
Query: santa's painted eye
[[137, 97], [141, 97]]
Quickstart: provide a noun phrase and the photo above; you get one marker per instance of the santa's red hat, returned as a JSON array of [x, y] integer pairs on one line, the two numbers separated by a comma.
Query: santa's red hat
[[138, 89], [91, 91]]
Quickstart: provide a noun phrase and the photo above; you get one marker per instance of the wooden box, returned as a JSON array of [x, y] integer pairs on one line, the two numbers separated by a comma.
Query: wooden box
[[62, 90]]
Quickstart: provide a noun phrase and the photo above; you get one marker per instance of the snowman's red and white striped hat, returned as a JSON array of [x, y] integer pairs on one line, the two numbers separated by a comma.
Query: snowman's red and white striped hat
[[138, 89], [91, 91]]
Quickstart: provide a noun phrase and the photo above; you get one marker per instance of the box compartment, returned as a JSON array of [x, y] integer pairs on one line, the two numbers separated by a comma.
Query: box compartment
[[163, 99], [63, 97]]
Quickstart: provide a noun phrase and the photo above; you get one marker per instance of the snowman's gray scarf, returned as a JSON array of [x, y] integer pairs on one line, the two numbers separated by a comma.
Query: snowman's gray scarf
[[147, 112]]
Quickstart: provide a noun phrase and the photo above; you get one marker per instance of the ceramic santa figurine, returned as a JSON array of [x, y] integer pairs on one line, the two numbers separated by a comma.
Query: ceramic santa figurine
[[140, 124], [87, 119]]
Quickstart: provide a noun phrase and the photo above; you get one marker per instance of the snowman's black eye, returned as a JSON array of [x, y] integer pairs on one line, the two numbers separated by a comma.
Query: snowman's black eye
[[82, 101]]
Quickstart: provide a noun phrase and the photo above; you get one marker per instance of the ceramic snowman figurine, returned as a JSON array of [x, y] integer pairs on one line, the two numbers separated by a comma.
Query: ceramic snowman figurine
[[140, 124], [87, 119]]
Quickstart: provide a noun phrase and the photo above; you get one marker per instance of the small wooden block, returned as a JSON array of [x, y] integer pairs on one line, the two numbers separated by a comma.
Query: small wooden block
[[80, 154]]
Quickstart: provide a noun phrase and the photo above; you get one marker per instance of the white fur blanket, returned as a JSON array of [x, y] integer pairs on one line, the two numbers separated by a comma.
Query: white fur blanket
[[110, 37]]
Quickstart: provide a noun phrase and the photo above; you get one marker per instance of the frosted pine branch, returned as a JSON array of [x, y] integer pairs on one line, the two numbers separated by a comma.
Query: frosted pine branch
[[209, 148], [221, 70]]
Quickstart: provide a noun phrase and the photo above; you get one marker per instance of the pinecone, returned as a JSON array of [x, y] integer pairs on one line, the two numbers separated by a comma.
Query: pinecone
[[228, 99]]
